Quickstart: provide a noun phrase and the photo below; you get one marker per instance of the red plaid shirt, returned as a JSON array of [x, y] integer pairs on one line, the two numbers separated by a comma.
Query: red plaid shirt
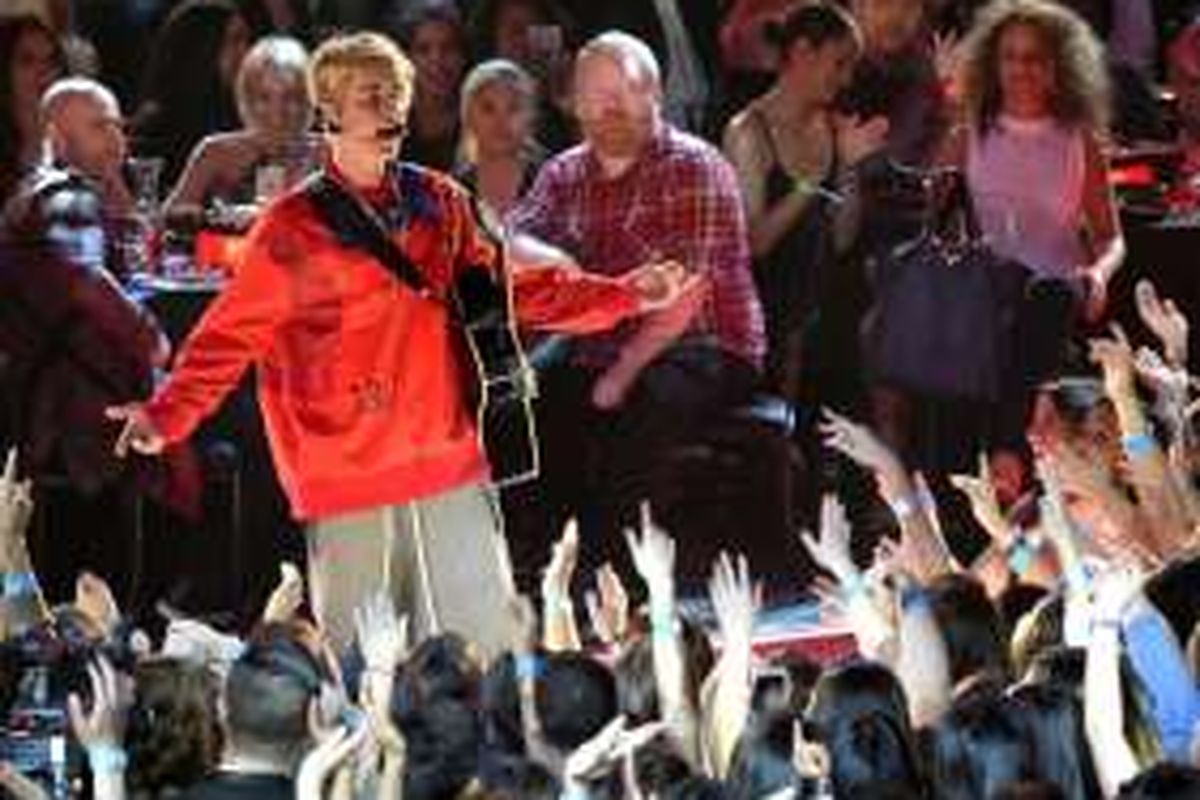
[[679, 201]]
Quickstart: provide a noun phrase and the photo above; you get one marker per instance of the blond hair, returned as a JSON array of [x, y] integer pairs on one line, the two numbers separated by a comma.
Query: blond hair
[[340, 58], [282, 55], [1081, 88], [495, 72]]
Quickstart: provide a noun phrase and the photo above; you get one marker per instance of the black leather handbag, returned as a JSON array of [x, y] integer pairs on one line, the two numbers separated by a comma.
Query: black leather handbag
[[946, 307]]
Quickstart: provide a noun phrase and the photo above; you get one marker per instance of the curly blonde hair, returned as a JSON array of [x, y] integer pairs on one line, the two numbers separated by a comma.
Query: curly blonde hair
[[1081, 87]]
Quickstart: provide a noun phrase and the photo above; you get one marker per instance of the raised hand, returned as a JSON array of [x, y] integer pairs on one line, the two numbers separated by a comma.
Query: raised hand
[[981, 493], [383, 640], [857, 442], [1165, 320], [1115, 357], [103, 725], [556, 580], [608, 606], [382, 633], [287, 597], [832, 550], [653, 554], [94, 598], [16, 509], [735, 600], [139, 433]]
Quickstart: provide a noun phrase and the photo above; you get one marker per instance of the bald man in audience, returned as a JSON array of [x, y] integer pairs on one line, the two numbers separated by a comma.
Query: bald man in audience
[[73, 339]]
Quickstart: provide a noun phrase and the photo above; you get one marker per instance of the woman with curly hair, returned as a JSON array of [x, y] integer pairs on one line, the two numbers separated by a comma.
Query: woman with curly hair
[[1035, 104]]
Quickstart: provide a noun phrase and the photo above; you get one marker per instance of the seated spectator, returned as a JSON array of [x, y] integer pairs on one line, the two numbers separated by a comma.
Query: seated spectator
[[434, 38], [196, 55], [619, 401], [537, 36], [31, 58], [499, 157], [274, 148]]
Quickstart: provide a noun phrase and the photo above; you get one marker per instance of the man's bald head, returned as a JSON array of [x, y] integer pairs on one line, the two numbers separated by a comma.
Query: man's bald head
[[83, 126]]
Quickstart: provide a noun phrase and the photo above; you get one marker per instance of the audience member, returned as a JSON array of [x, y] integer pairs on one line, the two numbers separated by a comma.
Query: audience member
[[618, 402], [274, 149], [196, 55], [498, 155], [434, 36], [31, 58]]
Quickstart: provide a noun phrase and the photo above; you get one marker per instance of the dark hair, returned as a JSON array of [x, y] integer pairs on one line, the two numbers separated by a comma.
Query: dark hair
[[442, 741], [184, 63], [443, 667], [1030, 790], [485, 14], [174, 735], [12, 29], [270, 686], [817, 23], [439, 11], [1164, 781], [860, 713], [970, 626], [977, 747], [1061, 757], [762, 760], [576, 697]]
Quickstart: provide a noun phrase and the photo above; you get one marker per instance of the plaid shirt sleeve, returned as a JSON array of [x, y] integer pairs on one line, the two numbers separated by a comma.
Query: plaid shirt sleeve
[[719, 246], [540, 212]]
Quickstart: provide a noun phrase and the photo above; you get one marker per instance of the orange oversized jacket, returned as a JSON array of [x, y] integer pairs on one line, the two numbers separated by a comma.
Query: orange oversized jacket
[[362, 383]]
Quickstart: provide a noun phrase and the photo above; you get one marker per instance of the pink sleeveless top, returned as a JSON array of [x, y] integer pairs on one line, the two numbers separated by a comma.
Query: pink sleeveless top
[[1026, 179]]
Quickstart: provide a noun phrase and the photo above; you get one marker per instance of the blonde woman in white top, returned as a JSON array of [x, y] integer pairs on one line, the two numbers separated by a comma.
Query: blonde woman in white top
[[273, 150]]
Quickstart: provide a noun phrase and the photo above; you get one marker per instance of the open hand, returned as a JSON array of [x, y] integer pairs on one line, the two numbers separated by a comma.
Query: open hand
[[653, 554], [1165, 320], [735, 600], [287, 597], [16, 509], [981, 493], [832, 550], [858, 443], [608, 605], [139, 433], [94, 598], [103, 725], [1115, 357]]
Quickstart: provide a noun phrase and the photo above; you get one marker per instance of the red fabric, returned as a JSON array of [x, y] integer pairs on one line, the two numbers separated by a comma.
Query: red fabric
[[361, 381], [680, 201]]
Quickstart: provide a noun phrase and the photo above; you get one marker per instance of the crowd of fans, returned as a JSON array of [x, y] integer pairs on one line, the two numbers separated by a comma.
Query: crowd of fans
[[793, 152]]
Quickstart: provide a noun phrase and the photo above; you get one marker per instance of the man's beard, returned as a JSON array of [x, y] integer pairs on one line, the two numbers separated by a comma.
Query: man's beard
[[622, 137]]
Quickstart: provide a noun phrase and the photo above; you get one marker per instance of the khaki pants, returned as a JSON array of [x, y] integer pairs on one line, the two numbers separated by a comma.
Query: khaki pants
[[442, 559]]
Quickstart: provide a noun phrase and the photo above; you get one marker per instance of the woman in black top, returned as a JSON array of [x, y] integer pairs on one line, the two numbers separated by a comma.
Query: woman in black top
[[794, 156]]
